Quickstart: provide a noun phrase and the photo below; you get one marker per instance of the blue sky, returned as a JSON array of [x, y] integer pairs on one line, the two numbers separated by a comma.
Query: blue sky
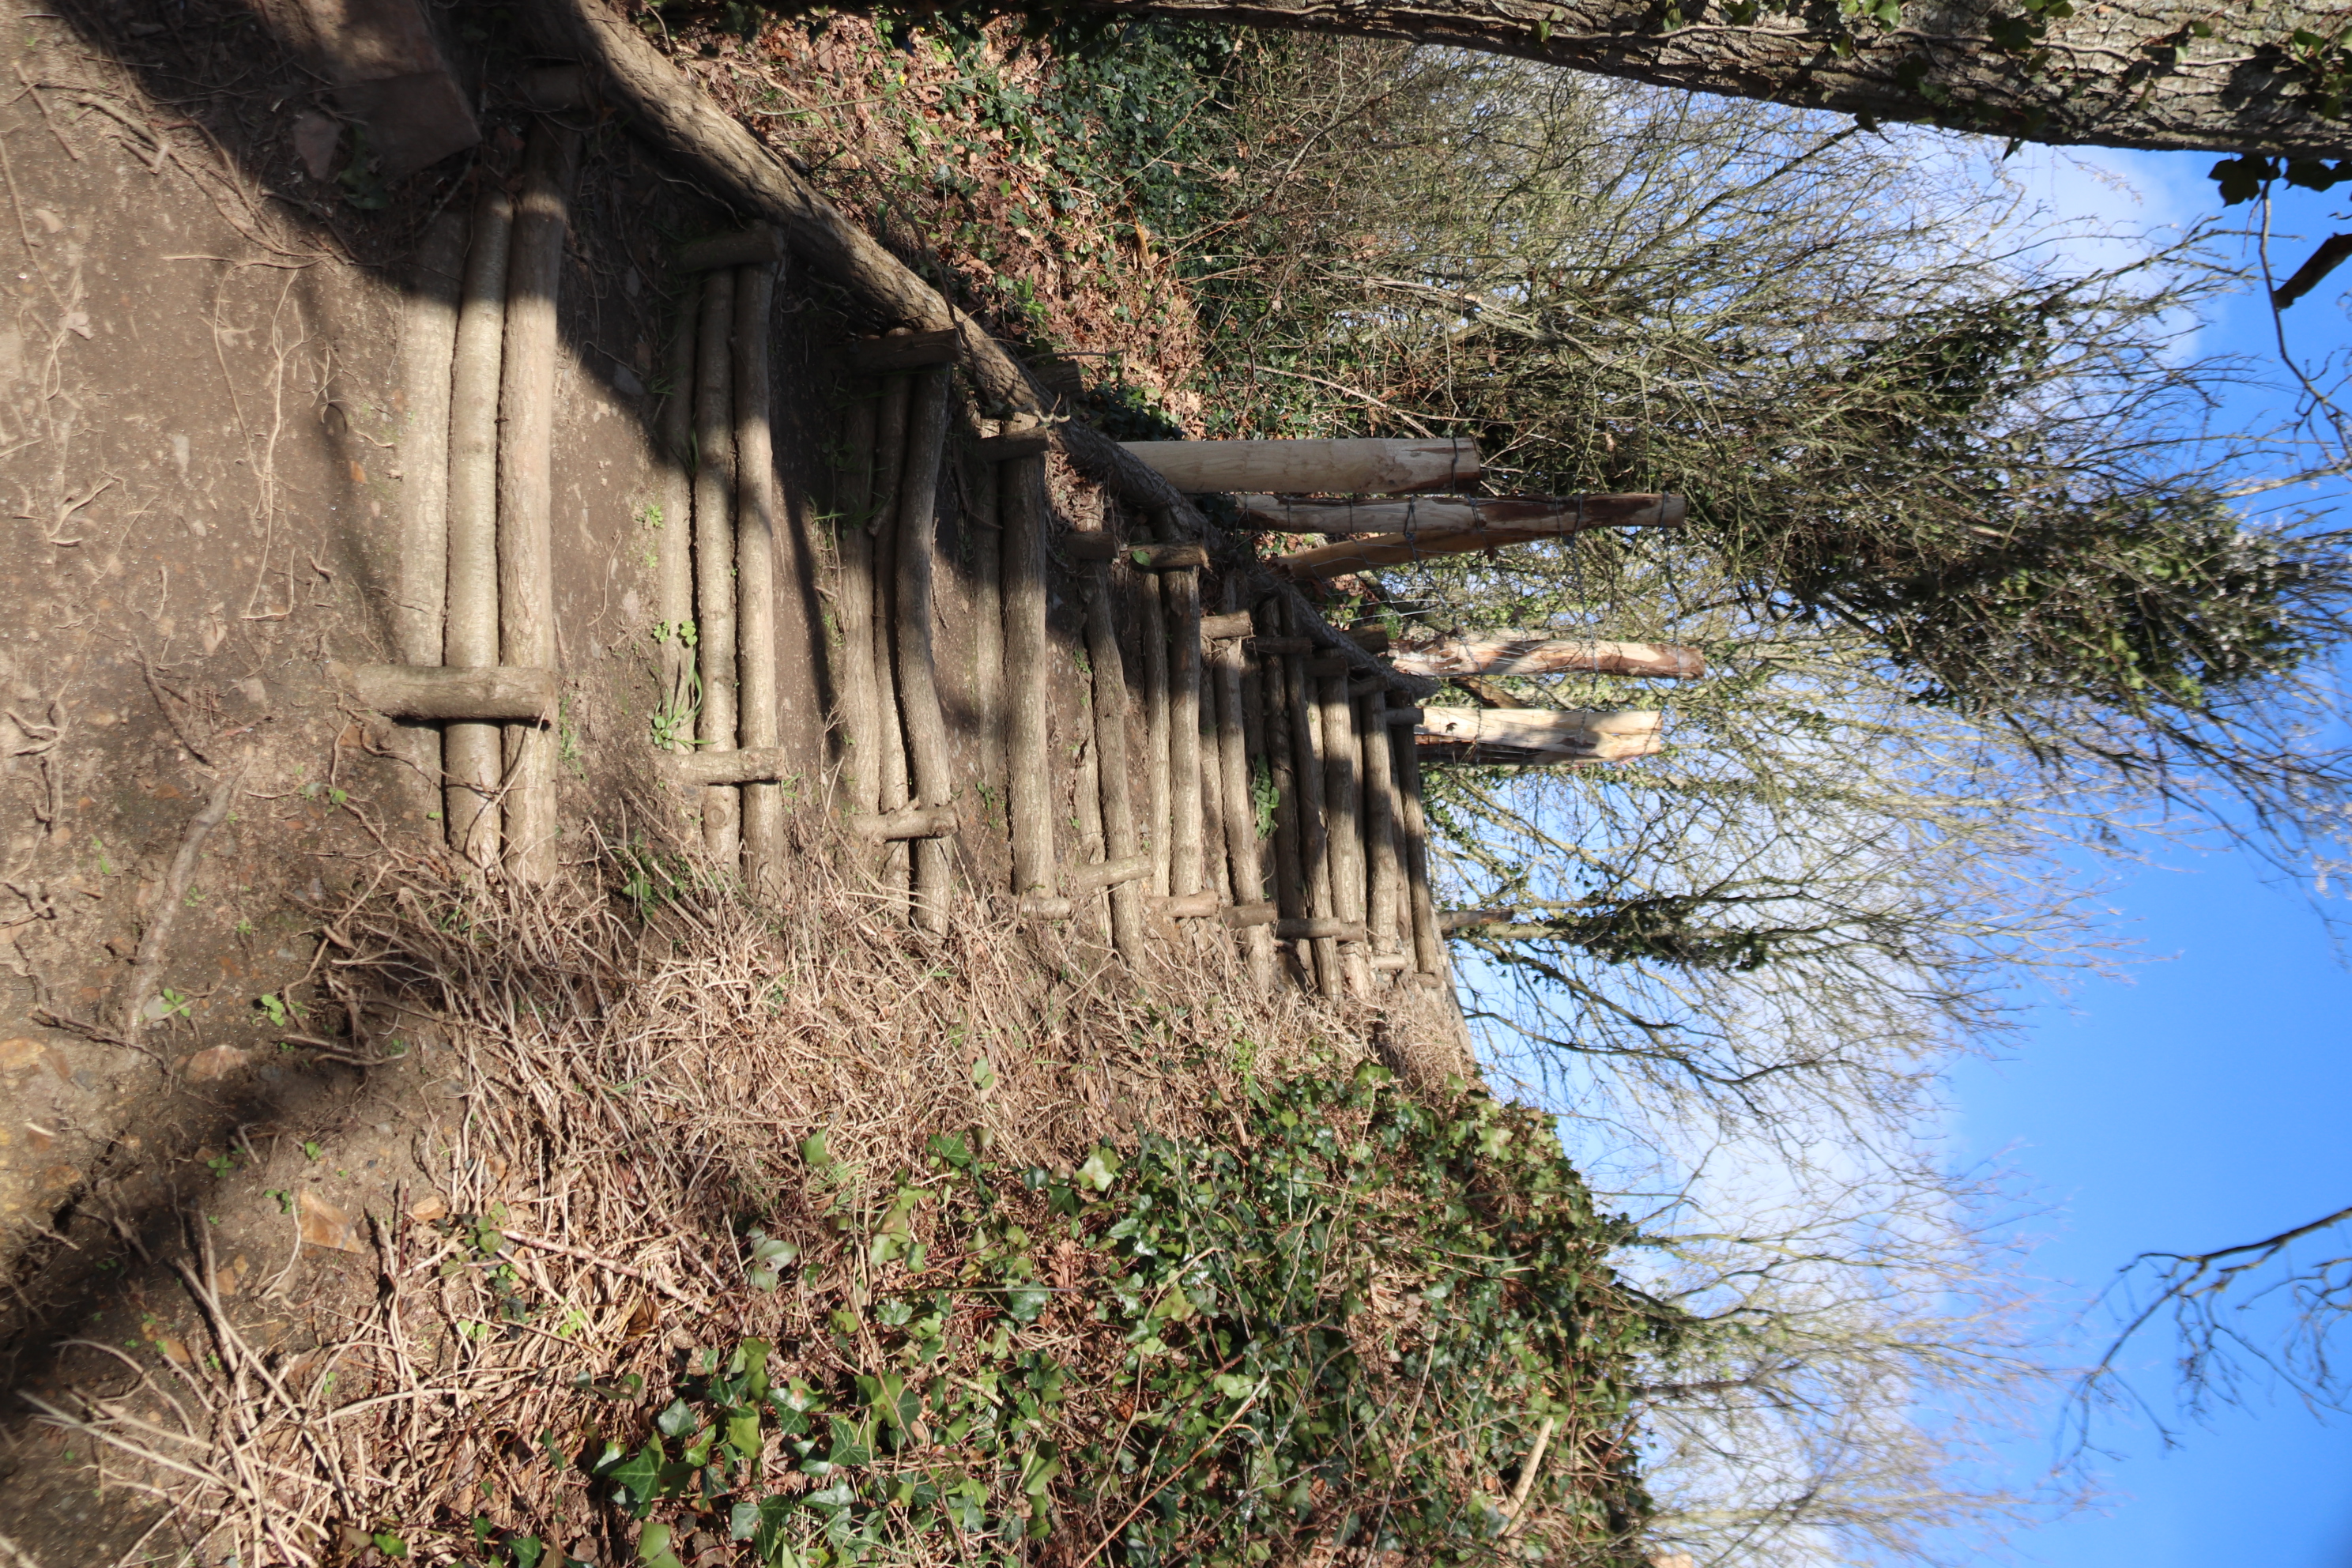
[[2204, 1100]]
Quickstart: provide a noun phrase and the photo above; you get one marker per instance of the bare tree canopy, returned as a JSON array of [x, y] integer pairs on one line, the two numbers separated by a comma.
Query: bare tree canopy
[[2149, 73]]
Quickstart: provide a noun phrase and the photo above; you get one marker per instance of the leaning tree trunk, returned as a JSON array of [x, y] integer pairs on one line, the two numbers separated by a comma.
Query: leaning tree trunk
[[2128, 73]]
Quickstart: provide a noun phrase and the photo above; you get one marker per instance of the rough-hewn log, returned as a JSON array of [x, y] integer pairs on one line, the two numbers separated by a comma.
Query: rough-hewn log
[[1343, 794], [1186, 813], [750, 764], [758, 246], [469, 636], [1201, 905], [758, 719], [1159, 820], [1320, 928], [714, 555], [1016, 443], [984, 532], [897, 869], [1404, 718], [905, 350], [728, 161], [1401, 548], [1166, 557], [673, 551], [1567, 734], [1090, 548], [1083, 881], [1359, 467], [1030, 795], [1272, 712], [1428, 937], [2164, 74], [1371, 639], [1384, 910], [527, 485], [488, 694], [1244, 856], [1270, 647], [1115, 789], [852, 601], [1313, 838], [429, 337], [1448, 514], [1219, 628], [1538, 653], [918, 824], [1255, 917], [918, 692]]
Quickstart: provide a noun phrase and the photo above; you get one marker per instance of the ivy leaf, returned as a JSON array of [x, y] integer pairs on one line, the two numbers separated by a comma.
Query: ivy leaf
[[637, 1478], [2241, 179], [1026, 1302], [653, 1547], [1100, 1169], [676, 1420]]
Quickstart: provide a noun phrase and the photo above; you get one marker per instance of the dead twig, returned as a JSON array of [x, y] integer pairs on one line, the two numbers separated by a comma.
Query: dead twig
[[149, 964]]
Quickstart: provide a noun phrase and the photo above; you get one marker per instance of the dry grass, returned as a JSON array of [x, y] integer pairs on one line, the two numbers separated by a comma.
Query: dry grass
[[632, 1061]]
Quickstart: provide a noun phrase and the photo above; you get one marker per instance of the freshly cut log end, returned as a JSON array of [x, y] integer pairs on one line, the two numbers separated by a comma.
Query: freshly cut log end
[[698, 770], [1311, 468], [907, 350], [912, 822], [759, 245], [493, 694]]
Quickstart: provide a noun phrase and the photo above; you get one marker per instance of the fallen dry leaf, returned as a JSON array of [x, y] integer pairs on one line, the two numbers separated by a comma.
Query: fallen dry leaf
[[208, 1066], [324, 1225]]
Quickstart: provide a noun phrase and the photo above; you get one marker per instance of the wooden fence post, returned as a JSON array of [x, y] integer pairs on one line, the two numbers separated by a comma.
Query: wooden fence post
[[714, 555], [470, 752], [919, 694], [1030, 798], [755, 567]]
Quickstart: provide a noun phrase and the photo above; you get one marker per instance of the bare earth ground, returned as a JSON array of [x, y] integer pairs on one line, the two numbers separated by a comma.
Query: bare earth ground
[[199, 451]]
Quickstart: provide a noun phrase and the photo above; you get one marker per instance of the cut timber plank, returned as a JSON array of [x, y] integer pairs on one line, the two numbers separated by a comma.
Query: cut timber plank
[[759, 720], [492, 694], [1452, 514], [758, 246], [918, 692], [697, 770], [470, 638], [1021, 492], [1538, 653], [714, 554], [1597, 737], [905, 350], [1311, 468]]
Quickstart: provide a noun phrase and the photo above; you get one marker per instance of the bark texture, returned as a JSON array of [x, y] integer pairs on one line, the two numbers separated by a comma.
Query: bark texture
[[2127, 73]]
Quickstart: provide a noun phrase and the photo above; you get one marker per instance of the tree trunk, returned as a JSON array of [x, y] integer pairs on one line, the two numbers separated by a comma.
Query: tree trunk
[[2130, 73]]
